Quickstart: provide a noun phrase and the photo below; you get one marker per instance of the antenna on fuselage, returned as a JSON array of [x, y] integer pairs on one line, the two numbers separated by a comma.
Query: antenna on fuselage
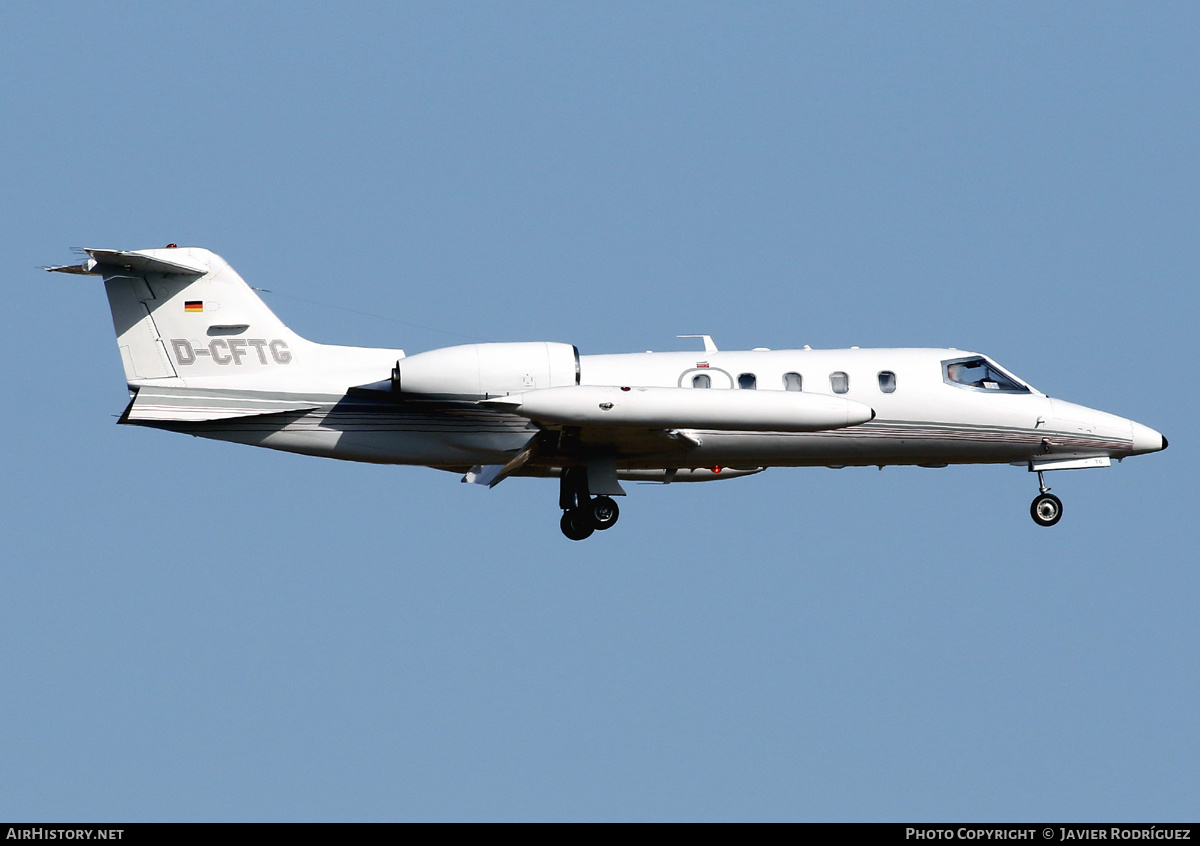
[[709, 346]]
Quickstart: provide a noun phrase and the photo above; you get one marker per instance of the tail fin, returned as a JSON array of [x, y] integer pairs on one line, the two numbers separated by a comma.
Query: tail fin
[[184, 312]]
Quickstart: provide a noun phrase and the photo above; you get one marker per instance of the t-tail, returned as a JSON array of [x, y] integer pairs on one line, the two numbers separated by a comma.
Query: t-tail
[[184, 312], [197, 343]]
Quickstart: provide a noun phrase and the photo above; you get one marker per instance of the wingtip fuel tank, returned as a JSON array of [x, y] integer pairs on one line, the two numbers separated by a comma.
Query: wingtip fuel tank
[[746, 411]]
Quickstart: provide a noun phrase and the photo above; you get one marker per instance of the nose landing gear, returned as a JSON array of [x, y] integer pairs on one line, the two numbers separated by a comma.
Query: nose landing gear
[[583, 513], [1047, 509]]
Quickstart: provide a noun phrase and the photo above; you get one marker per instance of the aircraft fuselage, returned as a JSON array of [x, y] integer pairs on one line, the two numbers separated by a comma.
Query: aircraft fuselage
[[204, 355], [922, 419]]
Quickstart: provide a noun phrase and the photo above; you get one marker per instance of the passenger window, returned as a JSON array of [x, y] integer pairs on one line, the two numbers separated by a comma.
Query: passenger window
[[792, 382], [840, 382], [702, 380], [887, 382], [747, 382]]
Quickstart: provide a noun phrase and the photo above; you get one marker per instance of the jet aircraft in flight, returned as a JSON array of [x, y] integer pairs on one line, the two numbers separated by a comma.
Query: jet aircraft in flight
[[204, 355]]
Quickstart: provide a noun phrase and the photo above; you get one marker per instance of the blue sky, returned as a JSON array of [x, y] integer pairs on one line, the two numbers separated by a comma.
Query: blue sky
[[192, 630]]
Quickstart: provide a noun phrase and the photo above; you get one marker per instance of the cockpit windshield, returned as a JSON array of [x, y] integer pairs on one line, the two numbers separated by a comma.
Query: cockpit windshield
[[978, 372]]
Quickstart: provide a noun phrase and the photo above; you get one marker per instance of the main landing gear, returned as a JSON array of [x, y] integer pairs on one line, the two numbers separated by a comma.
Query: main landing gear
[[1047, 509], [582, 512]]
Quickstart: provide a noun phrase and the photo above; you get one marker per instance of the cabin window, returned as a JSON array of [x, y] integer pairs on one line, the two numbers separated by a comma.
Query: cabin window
[[840, 382], [702, 380], [980, 373], [747, 382], [887, 382], [793, 382]]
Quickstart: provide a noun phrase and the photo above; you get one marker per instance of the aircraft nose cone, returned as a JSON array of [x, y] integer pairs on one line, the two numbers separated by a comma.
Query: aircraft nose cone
[[1146, 439]]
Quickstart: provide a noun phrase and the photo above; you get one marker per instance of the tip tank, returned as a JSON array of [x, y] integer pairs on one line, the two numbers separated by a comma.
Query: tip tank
[[686, 408]]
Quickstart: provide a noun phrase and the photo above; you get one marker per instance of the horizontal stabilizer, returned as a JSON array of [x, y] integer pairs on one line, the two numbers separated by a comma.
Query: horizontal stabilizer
[[139, 262], [193, 405]]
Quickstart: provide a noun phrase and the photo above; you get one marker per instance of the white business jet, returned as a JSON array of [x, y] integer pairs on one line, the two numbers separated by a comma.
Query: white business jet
[[204, 355]]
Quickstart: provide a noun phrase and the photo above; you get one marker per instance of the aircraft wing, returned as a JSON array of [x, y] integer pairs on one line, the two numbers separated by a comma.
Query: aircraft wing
[[599, 425], [493, 474]]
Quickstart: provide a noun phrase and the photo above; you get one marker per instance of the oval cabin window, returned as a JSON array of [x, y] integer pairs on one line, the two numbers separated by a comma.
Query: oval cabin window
[[840, 382], [792, 382], [887, 382], [701, 381]]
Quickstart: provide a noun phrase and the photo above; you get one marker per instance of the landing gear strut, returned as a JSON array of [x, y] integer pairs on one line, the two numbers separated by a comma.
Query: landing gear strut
[[1047, 509], [583, 513]]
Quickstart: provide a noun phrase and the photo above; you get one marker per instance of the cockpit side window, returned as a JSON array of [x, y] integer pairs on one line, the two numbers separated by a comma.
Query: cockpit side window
[[981, 374]]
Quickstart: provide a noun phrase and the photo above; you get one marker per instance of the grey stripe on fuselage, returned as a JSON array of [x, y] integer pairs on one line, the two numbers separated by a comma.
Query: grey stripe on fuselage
[[382, 430]]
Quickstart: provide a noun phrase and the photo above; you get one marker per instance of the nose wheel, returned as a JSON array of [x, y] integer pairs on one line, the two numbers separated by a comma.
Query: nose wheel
[[1046, 509]]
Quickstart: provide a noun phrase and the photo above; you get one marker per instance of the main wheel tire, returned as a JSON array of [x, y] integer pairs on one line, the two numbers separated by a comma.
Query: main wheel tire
[[604, 512], [576, 524], [1046, 510]]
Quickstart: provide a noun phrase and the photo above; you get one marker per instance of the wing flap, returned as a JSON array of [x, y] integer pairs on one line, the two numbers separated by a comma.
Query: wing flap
[[493, 474]]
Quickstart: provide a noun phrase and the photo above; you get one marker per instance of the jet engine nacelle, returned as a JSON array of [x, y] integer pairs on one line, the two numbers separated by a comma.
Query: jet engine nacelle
[[481, 371]]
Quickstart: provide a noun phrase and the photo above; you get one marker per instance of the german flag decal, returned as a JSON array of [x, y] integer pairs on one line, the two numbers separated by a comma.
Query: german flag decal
[[193, 305]]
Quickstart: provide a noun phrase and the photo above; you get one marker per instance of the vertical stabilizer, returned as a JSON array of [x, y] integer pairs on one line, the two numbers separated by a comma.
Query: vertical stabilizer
[[182, 313]]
